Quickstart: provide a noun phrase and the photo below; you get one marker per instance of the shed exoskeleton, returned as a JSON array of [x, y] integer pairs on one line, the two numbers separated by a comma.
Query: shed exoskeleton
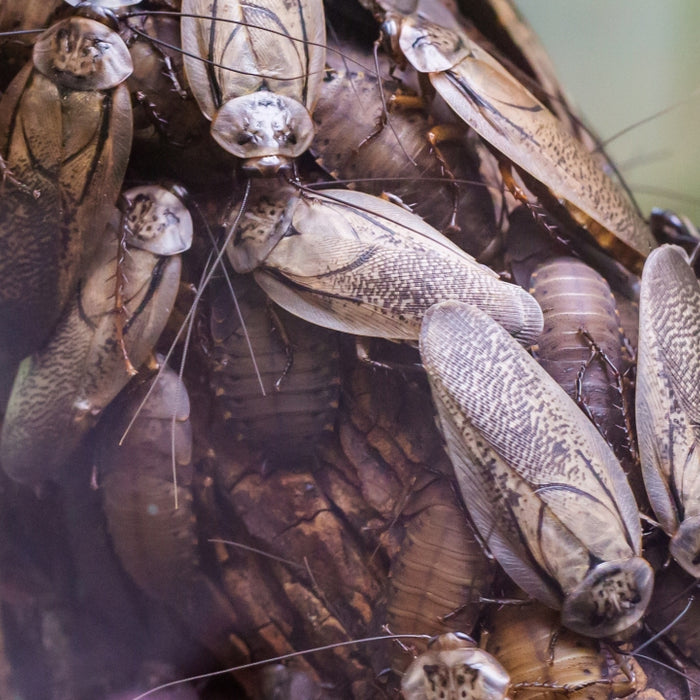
[[557, 513]]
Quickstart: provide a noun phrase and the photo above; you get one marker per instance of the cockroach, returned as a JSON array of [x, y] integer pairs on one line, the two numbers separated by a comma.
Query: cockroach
[[439, 574], [256, 71], [519, 127], [297, 363], [358, 264], [60, 391], [65, 133], [667, 401], [543, 659], [399, 157], [542, 486], [582, 348], [155, 541]]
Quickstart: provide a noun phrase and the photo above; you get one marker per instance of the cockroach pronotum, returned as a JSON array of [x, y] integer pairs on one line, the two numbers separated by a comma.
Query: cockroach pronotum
[[454, 667], [557, 513], [61, 390]]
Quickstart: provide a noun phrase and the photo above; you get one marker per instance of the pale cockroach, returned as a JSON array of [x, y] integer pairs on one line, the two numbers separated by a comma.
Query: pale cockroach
[[667, 401], [454, 668], [297, 363], [65, 134], [156, 542], [61, 390], [256, 71], [542, 487], [519, 127], [358, 264], [439, 575], [582, 349]]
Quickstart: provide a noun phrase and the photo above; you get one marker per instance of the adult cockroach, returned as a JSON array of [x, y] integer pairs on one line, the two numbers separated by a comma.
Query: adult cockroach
[[519, 127], [356, 263], [297, 363], [668, 405], [256, 71], [60, 391], [542, 487], [582, 349], [65, 134], [155, 541]]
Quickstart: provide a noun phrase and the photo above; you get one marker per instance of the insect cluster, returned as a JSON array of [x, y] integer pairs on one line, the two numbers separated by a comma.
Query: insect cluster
[[378, 208]]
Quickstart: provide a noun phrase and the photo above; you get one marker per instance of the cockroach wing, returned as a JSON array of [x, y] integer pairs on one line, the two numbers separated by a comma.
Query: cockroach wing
[[504, 113], [454, 668], [60, 391], [355, 263], [543, 487], [667, 408]]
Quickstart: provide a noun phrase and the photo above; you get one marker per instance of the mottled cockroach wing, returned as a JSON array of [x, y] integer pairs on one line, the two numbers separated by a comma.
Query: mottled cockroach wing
[[359, 264], [454, 668], [61, 390], [668, 402], [543, 488], [504, 113], [256, 70], [65, 134]]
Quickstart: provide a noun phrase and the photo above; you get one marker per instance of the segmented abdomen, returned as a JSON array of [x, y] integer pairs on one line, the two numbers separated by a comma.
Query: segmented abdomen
[[578, 307], [300, 400], [439, 571]]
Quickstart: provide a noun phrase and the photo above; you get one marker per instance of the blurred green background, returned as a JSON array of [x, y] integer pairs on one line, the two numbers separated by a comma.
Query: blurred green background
[[621, 61]]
